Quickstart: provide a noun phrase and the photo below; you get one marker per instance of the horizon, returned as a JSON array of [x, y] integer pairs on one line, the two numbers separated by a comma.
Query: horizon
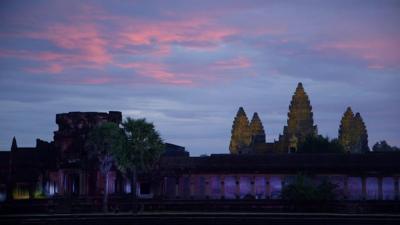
[[188, 68]]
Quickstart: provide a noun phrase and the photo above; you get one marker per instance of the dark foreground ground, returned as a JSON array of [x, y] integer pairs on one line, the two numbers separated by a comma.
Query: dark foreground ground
[[193, 218]]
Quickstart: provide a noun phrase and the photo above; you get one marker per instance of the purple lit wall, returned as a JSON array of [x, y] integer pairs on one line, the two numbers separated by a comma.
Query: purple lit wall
[[215, 183], [260, 183], [245, 186], [354, 188], [199, 187], [170, 187], [372, 188], [184, 187], [276, 186], [230, 187], [388, 188]]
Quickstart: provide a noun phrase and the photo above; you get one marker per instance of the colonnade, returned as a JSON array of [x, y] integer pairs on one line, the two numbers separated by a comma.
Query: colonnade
[[232, 186]]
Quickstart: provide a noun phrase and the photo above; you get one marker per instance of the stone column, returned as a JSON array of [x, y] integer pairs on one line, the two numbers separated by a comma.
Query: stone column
[[222, 186], [380, 191], [208, 189], [192, 187], [253, 186], [364, 187], [396, 188], [163, 188], [61, 182], [267, 187], [346, 187], [82, 183], [237, 182], [177, 181]]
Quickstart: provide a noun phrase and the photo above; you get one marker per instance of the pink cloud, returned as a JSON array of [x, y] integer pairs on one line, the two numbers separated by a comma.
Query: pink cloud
[[84, 43], [84, 39], [96, 80], [53, 68], [236, 63], [81, 45], [158, 72], [39, 56], [194, 32], [378, 53]]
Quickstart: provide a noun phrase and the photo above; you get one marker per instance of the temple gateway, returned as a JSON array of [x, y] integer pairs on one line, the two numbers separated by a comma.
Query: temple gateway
[[254, 169]]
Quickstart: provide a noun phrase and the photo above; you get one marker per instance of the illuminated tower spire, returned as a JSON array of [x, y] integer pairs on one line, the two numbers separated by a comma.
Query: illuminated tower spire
[[360, 134], [346, 135], [241, 135], [257, 129], [300, 123], [353, 134]]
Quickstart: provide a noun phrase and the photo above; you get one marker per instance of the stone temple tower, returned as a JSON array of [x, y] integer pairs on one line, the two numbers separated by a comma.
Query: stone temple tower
[[257, 130], [300, 123], [353, 134], [241, 133]]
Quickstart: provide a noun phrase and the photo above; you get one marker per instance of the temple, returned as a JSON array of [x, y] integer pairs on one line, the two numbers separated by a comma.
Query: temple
[[300, 124], [254, 169], [353, 132]]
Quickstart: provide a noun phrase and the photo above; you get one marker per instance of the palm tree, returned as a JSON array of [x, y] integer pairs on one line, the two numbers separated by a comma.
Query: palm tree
[[144, 147], [102, 143]]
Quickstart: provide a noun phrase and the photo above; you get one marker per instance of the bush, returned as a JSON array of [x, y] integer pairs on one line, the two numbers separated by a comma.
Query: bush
[[303, 189]]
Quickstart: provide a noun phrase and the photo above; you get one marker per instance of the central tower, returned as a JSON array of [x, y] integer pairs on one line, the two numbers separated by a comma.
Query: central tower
[[300, 123]]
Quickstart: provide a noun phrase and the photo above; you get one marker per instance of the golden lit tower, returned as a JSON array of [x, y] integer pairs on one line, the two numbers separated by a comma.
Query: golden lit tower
[[241, 134], [257, 130], [300, 123], [360, 134], [353, 134], [346, 134]]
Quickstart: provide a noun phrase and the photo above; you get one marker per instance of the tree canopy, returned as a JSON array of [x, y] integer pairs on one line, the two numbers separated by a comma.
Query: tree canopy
[[144, 146], [383, 146], [134, 147], [320, 144], [102, 143]]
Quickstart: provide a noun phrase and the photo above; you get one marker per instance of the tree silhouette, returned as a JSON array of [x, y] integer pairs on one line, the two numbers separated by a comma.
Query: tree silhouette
[[383, 146], [103, 142], [320, 144], [143, 149]]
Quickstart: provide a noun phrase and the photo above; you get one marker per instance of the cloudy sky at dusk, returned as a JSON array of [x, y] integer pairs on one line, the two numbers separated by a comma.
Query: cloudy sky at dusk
[[188, 65]]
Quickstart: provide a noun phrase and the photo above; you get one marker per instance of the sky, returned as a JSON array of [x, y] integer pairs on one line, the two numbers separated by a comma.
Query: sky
[[187, 66]]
